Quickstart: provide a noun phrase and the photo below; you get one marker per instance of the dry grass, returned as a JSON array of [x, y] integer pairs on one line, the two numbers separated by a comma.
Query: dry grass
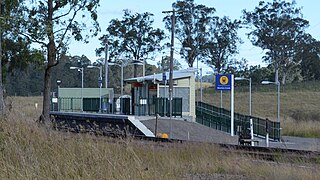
[[204, 85], [30, 151]]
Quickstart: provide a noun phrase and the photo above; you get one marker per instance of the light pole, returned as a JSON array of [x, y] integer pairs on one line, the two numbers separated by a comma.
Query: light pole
[[99, 82], [250, 92], [250, 105], [121, 65], [58, 93], [80, 69], [201, 84], [121, 86], [106, 63], [171, 65], [278, 85]]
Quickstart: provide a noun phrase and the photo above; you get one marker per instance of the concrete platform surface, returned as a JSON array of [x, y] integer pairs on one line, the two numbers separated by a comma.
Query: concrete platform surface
[[185, 130]]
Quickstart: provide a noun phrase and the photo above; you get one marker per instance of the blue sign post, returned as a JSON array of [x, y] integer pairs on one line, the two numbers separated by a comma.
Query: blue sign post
[[164, 77], [223, 82]]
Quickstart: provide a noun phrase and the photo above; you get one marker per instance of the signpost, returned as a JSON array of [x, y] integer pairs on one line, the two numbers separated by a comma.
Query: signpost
[[225, 82], [164, 79]]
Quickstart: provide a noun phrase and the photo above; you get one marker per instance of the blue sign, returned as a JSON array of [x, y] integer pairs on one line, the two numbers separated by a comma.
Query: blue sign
[[223, 82], [100, 82], [164, 77]]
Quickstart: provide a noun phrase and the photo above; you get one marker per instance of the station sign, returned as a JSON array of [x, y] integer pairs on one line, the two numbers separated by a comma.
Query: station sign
[[223, 82]]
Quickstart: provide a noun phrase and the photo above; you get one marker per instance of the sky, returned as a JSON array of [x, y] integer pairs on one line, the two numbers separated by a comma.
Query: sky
[[232, 8]]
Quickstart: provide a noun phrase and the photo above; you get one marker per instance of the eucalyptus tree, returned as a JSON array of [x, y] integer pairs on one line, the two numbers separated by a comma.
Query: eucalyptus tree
[[221, 43], [51, 24], [15, 51], [308, 56], [191, 22], [133, 37], [164, 64], [277, 27]]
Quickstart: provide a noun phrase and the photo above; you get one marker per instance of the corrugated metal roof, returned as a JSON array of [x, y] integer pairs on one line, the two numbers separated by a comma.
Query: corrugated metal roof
[[158, 77]]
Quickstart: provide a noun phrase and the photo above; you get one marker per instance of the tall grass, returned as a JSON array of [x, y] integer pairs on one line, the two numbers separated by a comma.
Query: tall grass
[[32, 151]]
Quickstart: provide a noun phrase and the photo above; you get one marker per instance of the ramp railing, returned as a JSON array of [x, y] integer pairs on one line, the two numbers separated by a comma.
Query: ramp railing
[[220, 119]]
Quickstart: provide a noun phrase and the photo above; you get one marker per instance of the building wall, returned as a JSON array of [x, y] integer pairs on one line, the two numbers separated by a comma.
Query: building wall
[[70, 98], [190, 83], [183, 87], [192, 98], [86, 92]]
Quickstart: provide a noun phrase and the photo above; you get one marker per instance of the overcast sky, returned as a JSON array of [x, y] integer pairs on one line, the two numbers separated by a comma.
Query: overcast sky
[[232, 8]]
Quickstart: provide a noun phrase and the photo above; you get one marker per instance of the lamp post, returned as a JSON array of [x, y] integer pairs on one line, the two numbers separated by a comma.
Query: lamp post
[[121, 86], [58, 93], [106, 62], [250, 104], [278, 86], [121, 65], [171, 65], [201, 84], [99, 82], [80, 69], [250, 92]]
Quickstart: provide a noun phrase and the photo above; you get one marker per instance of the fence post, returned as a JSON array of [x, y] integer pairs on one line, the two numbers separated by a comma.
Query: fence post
[[251, 131], [267, 132], [156, 126]]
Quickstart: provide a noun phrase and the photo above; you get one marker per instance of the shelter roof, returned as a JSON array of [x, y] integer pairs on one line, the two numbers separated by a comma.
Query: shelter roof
[[180, 74]]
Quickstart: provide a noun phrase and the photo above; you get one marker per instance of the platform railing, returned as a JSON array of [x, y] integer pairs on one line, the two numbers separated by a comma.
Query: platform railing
[[220, 119]]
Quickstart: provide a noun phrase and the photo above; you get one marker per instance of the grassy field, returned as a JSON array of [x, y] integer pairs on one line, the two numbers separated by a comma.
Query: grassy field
[[32, 151]]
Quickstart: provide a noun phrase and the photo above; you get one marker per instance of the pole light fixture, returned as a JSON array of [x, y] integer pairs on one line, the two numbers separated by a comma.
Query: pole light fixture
[[250, 104], [99, 82], [121, 65], [278, 86], [250, 91], [58, 93], [173, 21], [80, 69]]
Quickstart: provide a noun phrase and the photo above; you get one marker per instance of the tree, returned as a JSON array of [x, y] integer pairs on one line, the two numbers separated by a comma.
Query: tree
[[15, 51], [51, 24], [190, 27], [258, 73], [133, 37], [222, 40], [164, 64], [277, 27], [308, 54]]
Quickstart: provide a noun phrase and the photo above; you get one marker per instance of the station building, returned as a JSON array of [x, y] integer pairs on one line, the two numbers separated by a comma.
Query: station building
[[149, 97]]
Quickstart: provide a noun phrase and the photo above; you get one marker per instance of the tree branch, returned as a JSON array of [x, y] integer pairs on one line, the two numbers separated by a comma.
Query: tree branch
[[63, 15], [33, 39], [68, 27]]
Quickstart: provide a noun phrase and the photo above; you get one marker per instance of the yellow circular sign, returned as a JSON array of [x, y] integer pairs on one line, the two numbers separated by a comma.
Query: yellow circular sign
[[224, 80]]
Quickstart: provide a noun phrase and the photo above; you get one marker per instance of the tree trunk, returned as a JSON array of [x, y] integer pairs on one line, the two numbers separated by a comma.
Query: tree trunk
[[2, 104], [51, 57], [284, 79], [46, 95]]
